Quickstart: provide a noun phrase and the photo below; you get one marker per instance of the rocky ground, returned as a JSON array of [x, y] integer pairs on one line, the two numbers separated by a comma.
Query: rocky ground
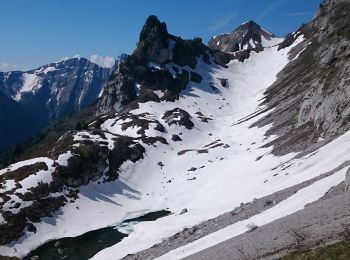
[[324, 221]]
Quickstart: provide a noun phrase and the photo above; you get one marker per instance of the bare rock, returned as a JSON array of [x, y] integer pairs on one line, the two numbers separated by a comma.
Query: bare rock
[[178, 116], [183, 211], [176, 138]]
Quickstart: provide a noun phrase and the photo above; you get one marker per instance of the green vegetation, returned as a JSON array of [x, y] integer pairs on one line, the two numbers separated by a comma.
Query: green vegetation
[[339, 251]]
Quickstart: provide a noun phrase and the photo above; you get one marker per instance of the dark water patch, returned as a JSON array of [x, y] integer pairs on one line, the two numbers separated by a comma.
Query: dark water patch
[[88, 244], [149, 216]]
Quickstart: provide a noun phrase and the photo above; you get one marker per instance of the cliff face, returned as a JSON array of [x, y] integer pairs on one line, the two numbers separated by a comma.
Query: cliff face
[[159, 63], [311, 96]]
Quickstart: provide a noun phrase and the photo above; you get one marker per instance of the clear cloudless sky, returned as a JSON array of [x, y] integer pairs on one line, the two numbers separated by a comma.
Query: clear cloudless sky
[[37, 32]]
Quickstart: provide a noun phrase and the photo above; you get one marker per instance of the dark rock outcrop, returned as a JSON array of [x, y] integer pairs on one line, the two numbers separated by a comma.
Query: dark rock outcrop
[[124, 149], [87, 164], [176, 138], [186, 52], [146, 68], [179, 117], [153, 42]]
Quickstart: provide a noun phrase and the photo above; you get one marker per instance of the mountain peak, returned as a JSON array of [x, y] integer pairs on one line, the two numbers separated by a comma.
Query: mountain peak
[[249, 35], [153, 27], [250, 22], [153, 41], [251, 25]]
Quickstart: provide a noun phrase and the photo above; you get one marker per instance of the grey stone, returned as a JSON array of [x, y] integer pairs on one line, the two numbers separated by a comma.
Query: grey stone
[[183, 211]]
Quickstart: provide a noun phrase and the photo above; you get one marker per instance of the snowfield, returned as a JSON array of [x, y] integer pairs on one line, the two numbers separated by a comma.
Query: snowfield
[[30, 82], [217, 166]]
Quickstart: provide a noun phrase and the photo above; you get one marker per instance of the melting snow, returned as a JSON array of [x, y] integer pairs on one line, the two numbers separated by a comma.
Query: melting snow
[[225, 177]]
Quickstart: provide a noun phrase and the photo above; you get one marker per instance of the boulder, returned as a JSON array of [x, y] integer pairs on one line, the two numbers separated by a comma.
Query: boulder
[[178, 116], [183, 211], [176, 138]]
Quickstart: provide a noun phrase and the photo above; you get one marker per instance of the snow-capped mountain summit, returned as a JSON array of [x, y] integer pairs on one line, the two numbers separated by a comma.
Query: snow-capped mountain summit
[[247, 36]]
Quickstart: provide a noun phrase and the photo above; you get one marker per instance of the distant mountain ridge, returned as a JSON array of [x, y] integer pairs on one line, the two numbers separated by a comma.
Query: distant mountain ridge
[[51, 92]]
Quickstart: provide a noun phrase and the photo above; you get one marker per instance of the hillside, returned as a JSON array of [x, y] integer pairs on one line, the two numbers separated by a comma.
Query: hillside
[[196, 152]]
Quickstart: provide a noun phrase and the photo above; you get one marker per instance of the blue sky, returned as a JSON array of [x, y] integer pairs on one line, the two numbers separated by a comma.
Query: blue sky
[[36, 32]]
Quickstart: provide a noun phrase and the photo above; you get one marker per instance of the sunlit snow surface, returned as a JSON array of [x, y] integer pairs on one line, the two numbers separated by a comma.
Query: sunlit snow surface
[[30, 82], [230, 175]]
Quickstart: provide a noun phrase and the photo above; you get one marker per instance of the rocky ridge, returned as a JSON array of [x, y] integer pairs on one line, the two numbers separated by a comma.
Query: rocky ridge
[[161, 63], [311, 96]]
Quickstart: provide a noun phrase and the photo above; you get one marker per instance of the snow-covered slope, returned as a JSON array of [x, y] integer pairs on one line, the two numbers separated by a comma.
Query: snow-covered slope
[[176, 142], [236, 171], [212, 170]]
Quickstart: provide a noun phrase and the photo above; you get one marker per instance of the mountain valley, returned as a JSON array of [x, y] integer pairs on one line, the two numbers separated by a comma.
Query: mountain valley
[[238, 149]]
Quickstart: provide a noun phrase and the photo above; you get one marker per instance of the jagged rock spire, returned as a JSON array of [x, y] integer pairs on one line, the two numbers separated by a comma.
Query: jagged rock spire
[[153, 41]]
